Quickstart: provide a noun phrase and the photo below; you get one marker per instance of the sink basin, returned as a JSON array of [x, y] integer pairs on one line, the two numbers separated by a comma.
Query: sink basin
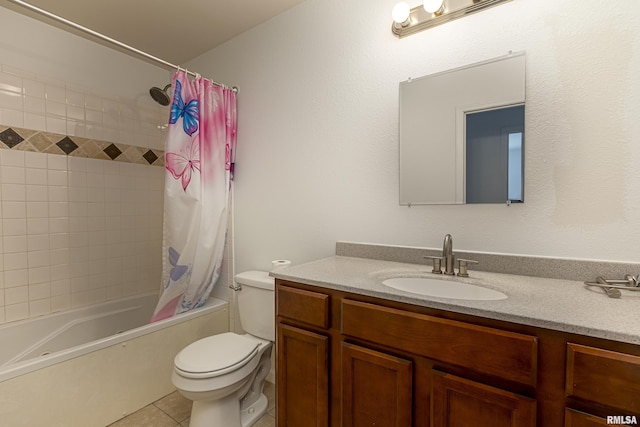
[[443, 288]]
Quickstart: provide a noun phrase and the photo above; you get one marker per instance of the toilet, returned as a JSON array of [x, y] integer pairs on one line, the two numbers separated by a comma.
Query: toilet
[[224, 374]]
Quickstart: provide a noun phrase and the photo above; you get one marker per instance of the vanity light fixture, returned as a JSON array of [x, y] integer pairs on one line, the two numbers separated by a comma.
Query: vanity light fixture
[[430, 13]]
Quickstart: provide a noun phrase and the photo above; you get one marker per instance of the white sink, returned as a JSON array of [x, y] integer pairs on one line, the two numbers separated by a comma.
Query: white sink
[[443, 288]]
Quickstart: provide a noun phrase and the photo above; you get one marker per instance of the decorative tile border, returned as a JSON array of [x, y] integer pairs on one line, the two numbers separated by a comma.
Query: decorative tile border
[[14, 138]]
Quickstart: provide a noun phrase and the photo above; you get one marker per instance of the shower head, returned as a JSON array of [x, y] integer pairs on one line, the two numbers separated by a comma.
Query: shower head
[[160, 95]]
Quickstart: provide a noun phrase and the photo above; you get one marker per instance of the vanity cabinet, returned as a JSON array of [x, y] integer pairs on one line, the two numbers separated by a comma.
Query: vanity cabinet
[[448, 346], [348, 360], [302, 364]]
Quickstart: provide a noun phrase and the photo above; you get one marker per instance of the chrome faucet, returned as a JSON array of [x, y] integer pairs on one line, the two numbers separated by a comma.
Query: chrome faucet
[[448, 260], [448, 257]]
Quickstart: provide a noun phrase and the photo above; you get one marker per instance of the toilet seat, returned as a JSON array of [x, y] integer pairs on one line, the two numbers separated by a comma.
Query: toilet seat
[[216, 355]]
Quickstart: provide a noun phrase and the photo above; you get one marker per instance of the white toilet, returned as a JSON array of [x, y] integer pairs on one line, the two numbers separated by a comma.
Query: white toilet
[[224, 374]]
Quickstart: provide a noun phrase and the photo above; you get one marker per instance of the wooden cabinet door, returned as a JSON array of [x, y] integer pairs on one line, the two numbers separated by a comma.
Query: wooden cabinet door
[[580, 419], [458, 402], [606, 377], [376, 388], [302, 378]]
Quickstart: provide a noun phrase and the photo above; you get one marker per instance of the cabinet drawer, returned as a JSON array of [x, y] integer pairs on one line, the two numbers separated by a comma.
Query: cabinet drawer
[[603, 376], [303, 306], [486, 350]]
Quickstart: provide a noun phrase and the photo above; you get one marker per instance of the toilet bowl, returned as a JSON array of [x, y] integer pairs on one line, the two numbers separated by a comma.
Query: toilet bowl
[[224, 374]]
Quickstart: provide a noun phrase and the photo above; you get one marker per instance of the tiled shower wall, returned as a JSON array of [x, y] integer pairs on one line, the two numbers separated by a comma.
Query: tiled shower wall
[[33, 101], [81, 194]]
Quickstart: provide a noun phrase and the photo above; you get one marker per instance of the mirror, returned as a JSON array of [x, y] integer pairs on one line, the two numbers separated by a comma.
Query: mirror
[[462, 134]]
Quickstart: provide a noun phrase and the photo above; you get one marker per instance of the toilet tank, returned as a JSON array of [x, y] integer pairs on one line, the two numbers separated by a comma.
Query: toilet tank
[[256, 304]]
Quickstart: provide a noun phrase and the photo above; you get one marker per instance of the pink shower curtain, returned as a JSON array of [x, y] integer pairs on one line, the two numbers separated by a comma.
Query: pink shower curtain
[[199, 148]]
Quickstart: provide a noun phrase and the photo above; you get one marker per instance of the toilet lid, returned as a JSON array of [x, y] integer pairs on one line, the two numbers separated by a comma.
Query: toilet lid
[[216, 355]]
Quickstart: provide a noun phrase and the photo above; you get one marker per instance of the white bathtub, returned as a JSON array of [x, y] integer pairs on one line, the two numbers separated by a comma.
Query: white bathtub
[[94, 365]]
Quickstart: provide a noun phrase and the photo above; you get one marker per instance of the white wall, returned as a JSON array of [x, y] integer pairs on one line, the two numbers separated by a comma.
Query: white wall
[[317, 157]]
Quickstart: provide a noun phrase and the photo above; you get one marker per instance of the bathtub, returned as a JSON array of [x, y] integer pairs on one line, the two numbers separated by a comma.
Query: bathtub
[[94, 365]]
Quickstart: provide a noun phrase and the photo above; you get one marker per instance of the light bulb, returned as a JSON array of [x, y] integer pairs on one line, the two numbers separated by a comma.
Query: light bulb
[[400, 12], [432, 6]]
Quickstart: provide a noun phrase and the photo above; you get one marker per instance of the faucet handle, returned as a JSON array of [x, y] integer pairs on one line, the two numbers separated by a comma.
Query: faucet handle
[[462, 266], [437, 263]]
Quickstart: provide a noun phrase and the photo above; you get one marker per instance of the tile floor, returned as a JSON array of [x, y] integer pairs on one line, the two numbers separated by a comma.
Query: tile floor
[[173, 410]]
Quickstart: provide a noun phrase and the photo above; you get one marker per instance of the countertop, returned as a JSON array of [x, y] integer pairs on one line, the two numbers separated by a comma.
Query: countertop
[[562, 305]]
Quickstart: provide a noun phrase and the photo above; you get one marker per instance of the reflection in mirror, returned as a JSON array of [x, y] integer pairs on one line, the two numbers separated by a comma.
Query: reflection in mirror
[[494, 140], [438, 162]]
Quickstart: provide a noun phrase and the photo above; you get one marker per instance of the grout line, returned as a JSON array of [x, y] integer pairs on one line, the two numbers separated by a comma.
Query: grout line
[[165, 412]]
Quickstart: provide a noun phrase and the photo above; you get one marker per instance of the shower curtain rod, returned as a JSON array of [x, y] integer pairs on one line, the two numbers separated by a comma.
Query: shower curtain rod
[[110, 40]]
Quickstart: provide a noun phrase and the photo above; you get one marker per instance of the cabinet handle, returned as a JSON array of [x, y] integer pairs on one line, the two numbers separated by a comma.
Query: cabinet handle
[[462, 266], [437, 263]]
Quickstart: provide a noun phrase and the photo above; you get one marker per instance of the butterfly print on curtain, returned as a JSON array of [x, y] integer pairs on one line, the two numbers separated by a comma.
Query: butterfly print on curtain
[[182, 167], [188, 111]]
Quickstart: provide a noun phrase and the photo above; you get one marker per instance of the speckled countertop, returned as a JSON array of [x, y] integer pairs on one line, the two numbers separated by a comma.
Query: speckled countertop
[[562, 305]]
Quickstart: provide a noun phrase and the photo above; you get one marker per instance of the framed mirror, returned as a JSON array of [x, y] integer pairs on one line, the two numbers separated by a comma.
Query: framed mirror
[[462, 134]]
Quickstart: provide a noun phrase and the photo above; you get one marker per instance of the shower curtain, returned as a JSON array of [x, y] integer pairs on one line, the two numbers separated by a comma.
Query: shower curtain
[[199, 148]]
